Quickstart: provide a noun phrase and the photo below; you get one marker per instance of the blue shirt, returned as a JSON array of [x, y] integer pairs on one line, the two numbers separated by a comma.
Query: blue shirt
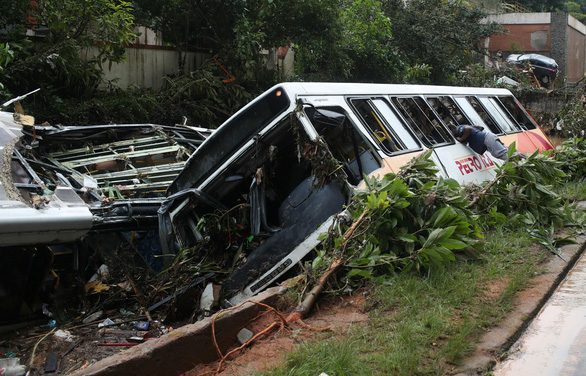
[[475, 140]]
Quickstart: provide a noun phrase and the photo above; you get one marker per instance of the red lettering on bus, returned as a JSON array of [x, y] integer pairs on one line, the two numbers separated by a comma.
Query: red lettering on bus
[[477, 163], [459, 164]]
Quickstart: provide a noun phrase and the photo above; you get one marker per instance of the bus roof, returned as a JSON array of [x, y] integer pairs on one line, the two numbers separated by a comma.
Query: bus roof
[[336, 88]]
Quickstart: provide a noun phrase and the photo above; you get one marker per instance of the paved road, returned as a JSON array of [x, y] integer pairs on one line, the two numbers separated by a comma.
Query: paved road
[[555, 342]]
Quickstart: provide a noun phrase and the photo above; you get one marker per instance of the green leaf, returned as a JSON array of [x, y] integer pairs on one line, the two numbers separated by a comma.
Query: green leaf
[[359, 272], [409, 238], [446, 253], [431, 252], [440, 215], [453, 244]]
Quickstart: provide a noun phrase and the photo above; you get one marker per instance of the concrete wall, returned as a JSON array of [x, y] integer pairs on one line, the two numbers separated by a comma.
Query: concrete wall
[[147, 66], [287, 64], [576, 52], [148, 61], [559, 45]]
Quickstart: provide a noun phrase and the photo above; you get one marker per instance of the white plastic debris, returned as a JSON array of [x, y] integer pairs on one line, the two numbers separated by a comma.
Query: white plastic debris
[[106, 322], [90, 182], [11, 367], [207, 299], [504, 80], [101, 274], [64, 335]]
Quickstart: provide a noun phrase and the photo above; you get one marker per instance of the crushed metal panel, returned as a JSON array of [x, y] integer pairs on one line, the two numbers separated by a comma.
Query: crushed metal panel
[[59, 216], [59, 182]]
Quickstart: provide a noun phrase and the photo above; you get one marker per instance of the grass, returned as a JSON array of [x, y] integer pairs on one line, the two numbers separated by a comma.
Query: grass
[[574, 191], [425, 325]]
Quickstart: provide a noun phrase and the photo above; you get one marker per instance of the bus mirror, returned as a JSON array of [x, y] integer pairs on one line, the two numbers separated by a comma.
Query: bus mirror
[[329, 117], [323, 116]]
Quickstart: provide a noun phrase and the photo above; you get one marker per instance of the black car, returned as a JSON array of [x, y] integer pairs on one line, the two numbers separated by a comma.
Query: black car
[[545, 68]]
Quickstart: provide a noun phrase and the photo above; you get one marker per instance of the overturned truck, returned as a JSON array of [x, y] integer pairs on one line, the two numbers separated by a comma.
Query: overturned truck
[[273, 176]]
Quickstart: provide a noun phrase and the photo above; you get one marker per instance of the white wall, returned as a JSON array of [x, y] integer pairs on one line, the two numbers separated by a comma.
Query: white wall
[[520, 18], [146, 67]]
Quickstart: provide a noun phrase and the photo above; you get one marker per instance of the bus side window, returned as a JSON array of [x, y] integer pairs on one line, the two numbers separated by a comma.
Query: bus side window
[[514, 111], [486, 118], [346, 145], [390, 141], [448, 110], [423, 120], [395, 123]]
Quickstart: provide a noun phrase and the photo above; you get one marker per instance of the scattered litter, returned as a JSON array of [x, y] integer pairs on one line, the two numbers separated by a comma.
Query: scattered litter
[[106, 322], [51, 362], [504, 80], [46, 312], [125, 312], [244, 336], [102, 274], [11, 367], [93, 317], [52, 323], [207, 300], [142, 325], [95, 287], [126, 286], [64, 334]]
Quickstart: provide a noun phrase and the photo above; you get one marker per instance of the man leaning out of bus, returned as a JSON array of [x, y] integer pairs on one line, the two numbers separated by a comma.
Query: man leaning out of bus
[[479, 141]]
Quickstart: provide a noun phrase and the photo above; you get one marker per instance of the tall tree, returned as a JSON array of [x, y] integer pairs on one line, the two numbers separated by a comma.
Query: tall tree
[[441, 34], [338, 40], [541, 5]]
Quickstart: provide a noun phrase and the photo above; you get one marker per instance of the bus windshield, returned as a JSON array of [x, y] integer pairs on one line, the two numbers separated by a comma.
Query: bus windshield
[[230, 137]]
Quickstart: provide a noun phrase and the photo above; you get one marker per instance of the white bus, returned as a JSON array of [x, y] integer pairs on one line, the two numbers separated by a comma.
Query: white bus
[[264, 156]]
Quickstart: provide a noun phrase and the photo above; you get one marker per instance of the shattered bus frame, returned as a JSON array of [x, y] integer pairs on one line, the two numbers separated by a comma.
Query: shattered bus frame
[[65, 190], [264, 157]]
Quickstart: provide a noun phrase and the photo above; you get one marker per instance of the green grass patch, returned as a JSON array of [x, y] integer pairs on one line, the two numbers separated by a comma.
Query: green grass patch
[[574, 190], [427, 324]]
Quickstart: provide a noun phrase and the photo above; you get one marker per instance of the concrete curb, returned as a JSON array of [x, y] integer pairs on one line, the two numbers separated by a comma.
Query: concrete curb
[[185, 347], [493, 344]]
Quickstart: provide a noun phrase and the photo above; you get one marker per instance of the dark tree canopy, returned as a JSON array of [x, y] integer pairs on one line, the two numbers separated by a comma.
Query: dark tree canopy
[[441, 34], [390, 41], [541, 5]]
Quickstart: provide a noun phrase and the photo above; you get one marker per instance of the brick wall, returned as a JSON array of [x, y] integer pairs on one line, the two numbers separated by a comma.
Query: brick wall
[[531, 38]]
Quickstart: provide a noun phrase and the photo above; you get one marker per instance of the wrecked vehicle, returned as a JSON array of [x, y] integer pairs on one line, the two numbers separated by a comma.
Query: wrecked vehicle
[[544, 68], [61, 187], [285, 165], [256, 193]]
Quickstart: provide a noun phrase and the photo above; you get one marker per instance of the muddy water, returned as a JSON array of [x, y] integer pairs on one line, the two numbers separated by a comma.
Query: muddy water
[[555, 342]]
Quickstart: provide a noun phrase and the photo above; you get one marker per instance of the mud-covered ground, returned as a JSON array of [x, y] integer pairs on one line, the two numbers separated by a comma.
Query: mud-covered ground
[[72, 348]]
